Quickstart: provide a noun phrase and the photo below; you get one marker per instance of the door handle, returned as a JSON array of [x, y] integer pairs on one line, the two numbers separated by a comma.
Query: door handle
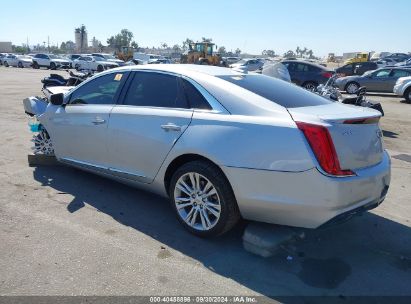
[[98, 121], [171, 127]]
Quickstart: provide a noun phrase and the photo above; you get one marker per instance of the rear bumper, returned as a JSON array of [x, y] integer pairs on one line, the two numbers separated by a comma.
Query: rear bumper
[[307, 199]]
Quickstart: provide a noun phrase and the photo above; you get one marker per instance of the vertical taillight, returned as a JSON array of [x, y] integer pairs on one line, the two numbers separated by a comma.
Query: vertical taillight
[[323, 147], [327, 74]]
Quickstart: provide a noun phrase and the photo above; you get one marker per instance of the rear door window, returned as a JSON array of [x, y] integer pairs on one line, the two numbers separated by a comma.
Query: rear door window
[[278, 91], [148, 89], [195, 99], [400, 73]]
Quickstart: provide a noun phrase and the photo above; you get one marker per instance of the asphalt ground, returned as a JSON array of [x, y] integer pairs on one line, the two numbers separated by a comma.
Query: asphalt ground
[[67, 232]]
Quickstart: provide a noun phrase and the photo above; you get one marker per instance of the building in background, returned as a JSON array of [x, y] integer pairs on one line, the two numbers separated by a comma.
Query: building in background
[[80, 38], [5, 47]]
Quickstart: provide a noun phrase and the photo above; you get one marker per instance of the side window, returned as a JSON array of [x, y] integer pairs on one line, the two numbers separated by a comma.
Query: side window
[[46, 57], [194, 97], [155, 90], [400, 73], [302, 67], [101, 91], [382, 73]]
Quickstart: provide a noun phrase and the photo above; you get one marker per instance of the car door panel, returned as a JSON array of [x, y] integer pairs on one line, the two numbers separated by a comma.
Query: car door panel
[[140, 138], [79, 133], [79, 129]]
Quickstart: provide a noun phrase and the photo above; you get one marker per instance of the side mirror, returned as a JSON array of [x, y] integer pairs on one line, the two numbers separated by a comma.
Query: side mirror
[[57, 99]]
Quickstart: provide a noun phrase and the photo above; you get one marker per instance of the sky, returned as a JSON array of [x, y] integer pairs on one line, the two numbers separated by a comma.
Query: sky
[[253, 25]]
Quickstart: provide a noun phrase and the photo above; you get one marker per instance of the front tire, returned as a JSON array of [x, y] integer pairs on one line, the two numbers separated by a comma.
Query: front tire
[[407, 94], [203, 199], [35, 65], [20, 65], [6, 64], [100, 68], [352, 87], [52, 66]]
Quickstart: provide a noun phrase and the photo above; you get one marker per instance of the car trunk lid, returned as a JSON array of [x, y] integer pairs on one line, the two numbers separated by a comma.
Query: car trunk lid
[[354, 131]]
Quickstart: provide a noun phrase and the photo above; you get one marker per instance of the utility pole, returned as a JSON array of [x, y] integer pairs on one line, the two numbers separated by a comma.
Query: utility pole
[[48, 44]]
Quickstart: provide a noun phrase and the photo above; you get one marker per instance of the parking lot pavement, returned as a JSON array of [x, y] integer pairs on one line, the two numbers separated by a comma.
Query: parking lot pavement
[[67, 232]]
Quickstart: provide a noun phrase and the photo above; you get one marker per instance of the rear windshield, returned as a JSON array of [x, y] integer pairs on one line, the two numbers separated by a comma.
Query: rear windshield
[[278, 91]]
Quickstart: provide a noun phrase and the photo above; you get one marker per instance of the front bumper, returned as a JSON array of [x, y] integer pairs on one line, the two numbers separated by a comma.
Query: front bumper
[[306, 199]]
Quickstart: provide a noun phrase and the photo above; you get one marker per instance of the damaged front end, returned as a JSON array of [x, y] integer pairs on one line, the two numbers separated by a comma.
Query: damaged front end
[[35, 106]]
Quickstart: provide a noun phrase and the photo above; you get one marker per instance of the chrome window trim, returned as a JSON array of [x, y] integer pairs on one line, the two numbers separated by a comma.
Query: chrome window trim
[[216, 106]]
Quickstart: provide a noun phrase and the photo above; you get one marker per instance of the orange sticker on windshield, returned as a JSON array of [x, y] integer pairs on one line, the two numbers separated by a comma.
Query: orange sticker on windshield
[[118, 77]]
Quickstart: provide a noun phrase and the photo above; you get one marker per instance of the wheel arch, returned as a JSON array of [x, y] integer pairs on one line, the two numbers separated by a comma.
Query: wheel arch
[[183, 159]]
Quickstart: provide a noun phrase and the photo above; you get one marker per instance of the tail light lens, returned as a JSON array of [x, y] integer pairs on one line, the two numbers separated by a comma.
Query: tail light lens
[[327, 74], [323, 147]]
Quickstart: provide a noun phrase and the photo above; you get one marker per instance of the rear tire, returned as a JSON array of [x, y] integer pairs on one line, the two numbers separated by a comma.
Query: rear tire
[[352, 87], [100, 68], [20, 65], [35, 65], [210, 201], [407, 94], [6, 64], [52, 66]]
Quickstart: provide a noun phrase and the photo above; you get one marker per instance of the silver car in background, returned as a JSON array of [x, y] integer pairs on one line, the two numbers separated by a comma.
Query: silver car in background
[[21, 61], [381, 80], [220, 144]]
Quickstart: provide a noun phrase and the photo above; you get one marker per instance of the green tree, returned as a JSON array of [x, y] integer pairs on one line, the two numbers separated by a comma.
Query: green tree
[[222, 50], [238, 52], [204, 39], [290, 54], [123, 38], [187, 43], [18, 49]]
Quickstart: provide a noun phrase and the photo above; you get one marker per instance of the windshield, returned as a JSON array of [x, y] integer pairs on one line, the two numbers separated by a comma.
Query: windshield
[[54, 57], [24, 57], [278, 91], [97, 58]]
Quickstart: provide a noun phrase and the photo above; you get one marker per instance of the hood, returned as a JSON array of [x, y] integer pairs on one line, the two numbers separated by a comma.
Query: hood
[[60, 60]]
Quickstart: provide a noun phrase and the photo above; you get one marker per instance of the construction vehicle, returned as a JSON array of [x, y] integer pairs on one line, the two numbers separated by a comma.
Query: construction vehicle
[[331, 57], [360, 57], [201, 53], [126, 53]]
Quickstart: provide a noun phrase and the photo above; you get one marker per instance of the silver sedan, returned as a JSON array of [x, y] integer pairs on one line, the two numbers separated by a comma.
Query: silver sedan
[[221, 144], [381, 80]]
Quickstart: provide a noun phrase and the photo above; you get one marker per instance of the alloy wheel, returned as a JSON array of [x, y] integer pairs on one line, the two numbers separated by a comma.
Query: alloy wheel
[[42, 143], [197, 201], [352, 88]]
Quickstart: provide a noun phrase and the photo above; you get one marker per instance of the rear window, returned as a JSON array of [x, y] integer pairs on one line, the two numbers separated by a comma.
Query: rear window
[[278, 91]]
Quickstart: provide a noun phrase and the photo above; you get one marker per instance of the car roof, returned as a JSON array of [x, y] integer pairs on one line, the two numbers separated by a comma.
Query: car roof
[[186, 69], [305, 62]]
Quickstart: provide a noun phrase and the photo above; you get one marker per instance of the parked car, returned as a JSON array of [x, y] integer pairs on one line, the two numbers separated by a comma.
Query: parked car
[[73, 57], [20, 61], [221, 144], [49, 61], [390, 61], [231, 60], [109, 57], [398, 57], [307, 75], [249, 65], [358, 68], [403, 88], [381, 63], [406, 63], [381, 80], [93, 63]]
